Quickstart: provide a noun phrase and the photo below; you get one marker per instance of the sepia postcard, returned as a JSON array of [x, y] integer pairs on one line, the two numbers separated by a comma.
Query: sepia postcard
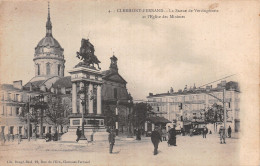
[[129, 83]]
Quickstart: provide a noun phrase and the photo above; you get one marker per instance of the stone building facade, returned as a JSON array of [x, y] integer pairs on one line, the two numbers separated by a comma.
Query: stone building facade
[[188, 105]]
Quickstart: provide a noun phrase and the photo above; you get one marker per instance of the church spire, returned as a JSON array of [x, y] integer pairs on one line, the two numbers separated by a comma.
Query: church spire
[[48, 23]]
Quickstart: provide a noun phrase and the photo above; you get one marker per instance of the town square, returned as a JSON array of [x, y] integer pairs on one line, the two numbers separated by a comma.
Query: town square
[[99, 83]]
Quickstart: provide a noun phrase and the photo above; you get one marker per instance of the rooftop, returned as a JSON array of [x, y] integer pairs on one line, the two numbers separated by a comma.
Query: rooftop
[[229, 86]]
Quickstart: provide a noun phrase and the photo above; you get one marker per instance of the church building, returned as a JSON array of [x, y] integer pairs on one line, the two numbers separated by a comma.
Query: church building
[[49, 66]]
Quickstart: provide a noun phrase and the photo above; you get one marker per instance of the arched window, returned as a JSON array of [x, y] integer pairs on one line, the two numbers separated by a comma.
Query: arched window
[[38, 69], [59, 72], [48, 69]]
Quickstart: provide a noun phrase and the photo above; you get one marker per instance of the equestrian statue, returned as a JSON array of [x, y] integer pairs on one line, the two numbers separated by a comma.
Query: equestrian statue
[[86, 54]]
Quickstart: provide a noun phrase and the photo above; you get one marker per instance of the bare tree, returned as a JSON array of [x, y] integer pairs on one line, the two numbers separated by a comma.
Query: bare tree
[[58, 109]]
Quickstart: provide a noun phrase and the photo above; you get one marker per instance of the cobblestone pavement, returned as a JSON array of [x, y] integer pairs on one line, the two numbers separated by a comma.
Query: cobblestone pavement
[[189, 151]]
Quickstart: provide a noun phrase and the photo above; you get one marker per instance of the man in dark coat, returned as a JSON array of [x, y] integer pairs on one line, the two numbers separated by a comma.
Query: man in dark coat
[[78, 133], [156, 137], [48, 137], [182, 131], [204, 131], [111, 139], [172, 139], [229, 132], [55, 136], [138, 134]]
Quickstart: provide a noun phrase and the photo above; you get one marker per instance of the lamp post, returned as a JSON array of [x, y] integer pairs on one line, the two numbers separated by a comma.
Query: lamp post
[[117, 118], [225, 111], [224, 105], [28, 120], [40, 101], [82, 97], [129, 118]]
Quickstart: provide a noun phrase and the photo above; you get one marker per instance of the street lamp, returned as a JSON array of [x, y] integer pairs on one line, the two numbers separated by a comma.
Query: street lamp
[[82, 97], [41, 102], [28, 119], [117, 118], [129, 118], [224, 105]]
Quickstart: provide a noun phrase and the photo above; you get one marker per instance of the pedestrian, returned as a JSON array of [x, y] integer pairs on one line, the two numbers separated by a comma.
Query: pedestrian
[[2, 138], [138, 134], [204, 131], [172, 139], [222, 134], [229, 132], [78, 133], [182, 131], [164, 133], [19, 138], [8, 137], [12, 136], [191, 132], [155, 138], [111, 139], [48, 137], [55, 136], [160, 131]]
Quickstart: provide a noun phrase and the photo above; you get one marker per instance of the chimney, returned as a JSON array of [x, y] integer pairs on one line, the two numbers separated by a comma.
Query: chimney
[[208, 87], [223, 83], [171, 91], [194, 87], [185, 88], [18, 84]]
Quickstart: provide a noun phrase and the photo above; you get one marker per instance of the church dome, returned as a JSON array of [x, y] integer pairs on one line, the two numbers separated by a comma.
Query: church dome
[[49, 41], [48, 58]]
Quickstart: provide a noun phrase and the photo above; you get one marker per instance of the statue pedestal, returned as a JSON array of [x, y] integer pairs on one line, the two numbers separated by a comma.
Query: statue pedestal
[[86, 98], [94, 128]]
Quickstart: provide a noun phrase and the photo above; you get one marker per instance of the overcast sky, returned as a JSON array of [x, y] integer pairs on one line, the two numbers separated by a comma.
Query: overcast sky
[[153, 54]]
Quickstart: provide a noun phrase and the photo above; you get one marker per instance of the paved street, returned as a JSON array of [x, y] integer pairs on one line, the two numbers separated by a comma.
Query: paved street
[[190, 151]]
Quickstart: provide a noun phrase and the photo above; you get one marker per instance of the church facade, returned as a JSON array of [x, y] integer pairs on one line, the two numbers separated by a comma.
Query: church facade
[[49, 66]]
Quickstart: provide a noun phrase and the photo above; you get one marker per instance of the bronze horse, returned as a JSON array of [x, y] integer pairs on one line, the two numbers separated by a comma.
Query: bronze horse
[[86, 53]]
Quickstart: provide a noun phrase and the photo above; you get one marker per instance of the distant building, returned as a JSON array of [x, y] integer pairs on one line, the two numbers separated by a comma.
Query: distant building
[[188, 105]]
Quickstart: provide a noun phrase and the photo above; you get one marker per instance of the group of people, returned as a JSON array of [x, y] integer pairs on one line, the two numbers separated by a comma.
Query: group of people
[[156, 137], [10, 137], [222, 134]]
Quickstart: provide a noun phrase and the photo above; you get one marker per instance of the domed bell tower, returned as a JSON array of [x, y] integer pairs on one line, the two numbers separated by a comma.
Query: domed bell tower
[[48, 58]]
